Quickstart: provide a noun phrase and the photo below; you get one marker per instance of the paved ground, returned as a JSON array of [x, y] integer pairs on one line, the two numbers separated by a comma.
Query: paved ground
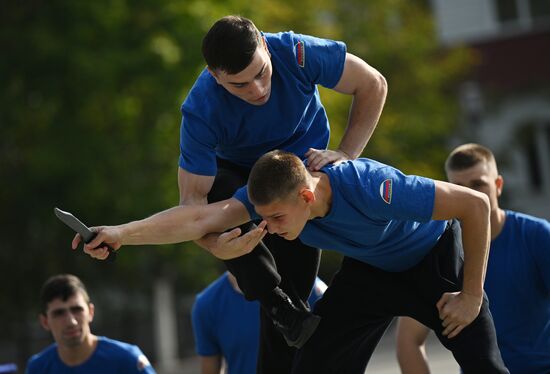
[[383, 360]]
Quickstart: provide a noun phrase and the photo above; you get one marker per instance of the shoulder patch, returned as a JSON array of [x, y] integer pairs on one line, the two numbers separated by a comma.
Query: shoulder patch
[[300, 53], [142, 362], [386, 191]]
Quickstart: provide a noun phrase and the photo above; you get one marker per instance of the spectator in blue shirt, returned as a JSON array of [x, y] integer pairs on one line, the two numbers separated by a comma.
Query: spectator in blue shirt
[[67, 313], [517, 281]]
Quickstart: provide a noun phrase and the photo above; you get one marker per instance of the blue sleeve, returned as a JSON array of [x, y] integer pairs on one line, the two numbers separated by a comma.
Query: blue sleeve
[[242, 195], [321, 59], [197, 144], [392, 195], [540, 247], [31, 369], [206, 341]]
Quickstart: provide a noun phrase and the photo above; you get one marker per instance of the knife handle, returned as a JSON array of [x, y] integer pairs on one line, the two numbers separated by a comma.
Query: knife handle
[[112, 252]]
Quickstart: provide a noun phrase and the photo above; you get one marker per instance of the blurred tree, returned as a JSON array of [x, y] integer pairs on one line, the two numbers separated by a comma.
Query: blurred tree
[[90, 123], [399, 39]]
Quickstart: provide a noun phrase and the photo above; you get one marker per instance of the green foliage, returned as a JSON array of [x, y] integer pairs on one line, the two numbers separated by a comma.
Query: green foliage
[[397, 37]]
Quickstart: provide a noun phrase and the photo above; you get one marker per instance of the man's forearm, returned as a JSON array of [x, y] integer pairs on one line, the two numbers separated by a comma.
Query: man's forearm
[[476, 239], [174, 225], [365, 111]]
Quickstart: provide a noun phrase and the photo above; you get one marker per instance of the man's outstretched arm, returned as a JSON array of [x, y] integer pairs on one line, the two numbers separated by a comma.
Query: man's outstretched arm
[[174, 225]]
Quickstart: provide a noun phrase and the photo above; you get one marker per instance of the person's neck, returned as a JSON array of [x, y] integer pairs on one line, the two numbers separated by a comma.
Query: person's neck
[[498, 218], [323, 195], [72, 356]]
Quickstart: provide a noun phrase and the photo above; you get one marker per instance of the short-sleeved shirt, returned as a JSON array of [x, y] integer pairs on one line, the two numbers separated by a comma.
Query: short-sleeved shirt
[[226, 324], [216, 123], [518, 286], [378, 215], [109, 357]]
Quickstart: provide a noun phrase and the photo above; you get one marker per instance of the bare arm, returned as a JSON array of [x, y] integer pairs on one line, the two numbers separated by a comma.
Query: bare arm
[[410, 348], [193, 190], [211, 364], [174, 225], [471, 208], [369, 89]]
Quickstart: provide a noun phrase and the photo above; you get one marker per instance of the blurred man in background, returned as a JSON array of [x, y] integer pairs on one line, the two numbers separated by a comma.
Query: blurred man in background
[[517, 281], [67, 313], [227, 326]]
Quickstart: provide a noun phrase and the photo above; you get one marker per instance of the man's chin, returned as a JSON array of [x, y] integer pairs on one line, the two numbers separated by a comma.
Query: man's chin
[[73, 341], [288, 236]]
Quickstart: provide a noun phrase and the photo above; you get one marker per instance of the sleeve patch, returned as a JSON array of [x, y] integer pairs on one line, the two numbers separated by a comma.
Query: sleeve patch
[[300, 52], [386, 191]]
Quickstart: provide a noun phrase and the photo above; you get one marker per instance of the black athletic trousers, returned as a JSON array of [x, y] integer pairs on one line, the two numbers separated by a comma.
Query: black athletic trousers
[[362, 300], [290, 265]]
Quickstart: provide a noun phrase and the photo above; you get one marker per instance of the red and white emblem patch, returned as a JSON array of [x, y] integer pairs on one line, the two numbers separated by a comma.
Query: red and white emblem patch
[[386, 191], [300, 52]]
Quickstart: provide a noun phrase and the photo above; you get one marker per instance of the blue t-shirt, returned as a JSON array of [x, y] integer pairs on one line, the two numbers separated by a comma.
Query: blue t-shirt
[[109, 357], [217, 123], [378, 215], [518, 286], [226, 324]]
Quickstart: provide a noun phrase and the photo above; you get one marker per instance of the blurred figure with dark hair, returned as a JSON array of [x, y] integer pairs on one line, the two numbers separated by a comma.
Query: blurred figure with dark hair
[[66, 311]]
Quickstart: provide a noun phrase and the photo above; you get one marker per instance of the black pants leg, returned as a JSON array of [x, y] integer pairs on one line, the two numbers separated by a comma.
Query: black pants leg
[[291, 265], [362, 300], [475, 347], [352, 323]]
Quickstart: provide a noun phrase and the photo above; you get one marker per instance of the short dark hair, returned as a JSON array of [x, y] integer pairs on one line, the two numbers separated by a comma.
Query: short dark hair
[[230, 44], [275, 176], [62, 286], [467, 155]]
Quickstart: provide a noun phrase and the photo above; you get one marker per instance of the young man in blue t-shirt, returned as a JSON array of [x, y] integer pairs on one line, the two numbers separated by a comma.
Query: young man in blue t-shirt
[[227, 327], [67, 313], [517, 281], [259, 93], [403, 256]]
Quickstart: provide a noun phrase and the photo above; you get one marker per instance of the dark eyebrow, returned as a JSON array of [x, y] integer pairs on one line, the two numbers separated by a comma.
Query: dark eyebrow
[[260, 73], [262, 70], [58, 310]]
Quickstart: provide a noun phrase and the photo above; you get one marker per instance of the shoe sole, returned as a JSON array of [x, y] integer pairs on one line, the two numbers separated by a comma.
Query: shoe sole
[[308, 328]]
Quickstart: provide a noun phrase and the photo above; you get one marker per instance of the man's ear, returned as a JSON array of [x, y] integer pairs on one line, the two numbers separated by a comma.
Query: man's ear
[[499, 182], [307, 195], [44, 322], [92, 311], [213, 74]]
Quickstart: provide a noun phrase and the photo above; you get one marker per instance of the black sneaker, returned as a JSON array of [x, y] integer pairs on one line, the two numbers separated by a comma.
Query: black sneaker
[[296, 325]]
